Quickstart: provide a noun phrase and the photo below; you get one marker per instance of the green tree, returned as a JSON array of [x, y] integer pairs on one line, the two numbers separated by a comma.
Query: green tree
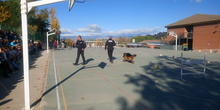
[[55, 25], [38, 20], [4, 13], [68, 42], [123, 40], [142, 38], [13, 9], [53, 20], [38, 23]]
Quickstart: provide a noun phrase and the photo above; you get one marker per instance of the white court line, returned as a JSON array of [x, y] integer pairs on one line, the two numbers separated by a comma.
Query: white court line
[[56, 82]]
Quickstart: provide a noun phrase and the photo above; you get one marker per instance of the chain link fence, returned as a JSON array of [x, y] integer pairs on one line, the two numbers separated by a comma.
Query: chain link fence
[[37, 36]]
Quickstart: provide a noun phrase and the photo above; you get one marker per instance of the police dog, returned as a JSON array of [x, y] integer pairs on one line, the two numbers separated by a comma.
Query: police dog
[[129, 57]]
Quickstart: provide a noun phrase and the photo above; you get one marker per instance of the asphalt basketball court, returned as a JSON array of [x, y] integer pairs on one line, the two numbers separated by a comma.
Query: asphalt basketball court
[[151, 83]]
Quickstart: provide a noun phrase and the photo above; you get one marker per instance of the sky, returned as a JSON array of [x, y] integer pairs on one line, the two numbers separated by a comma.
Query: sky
[[126, 18]]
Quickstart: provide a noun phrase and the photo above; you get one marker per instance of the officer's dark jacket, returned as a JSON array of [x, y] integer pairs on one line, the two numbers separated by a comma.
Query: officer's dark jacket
[[110, 43], [80, 44]]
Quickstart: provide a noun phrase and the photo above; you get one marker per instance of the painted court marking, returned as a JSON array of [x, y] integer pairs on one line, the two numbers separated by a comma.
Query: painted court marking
[[120, 89], [56, 83], [62, 92]]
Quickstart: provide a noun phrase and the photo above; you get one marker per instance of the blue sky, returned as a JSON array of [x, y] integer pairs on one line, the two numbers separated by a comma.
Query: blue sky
[[103, 18]]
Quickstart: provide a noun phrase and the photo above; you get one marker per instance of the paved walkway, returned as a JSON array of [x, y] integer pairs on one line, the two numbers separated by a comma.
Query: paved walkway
[[151, 83], [12, 89], [101, 85]]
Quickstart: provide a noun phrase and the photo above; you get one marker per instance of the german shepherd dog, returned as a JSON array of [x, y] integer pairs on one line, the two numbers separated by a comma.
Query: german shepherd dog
[[129, 57]]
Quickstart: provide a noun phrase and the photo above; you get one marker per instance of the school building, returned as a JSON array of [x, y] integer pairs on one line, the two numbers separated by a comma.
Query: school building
[[200, 32]]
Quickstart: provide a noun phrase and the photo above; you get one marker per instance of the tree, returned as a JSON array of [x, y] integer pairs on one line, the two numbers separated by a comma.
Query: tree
[[68, 42], [53, 20], [123, 40], [10, 17], [38, 23], [160, 35], [43, 20], [55, 25], [142, 38], [13, 11], [4, 13], [38, 20]]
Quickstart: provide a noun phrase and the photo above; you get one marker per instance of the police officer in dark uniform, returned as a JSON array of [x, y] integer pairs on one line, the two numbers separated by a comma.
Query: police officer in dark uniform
[[110, 43], [81, 45]]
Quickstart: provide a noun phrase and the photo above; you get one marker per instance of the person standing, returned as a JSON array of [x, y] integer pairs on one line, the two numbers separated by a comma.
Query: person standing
[[55, 44], [81, 45], [109, 45]]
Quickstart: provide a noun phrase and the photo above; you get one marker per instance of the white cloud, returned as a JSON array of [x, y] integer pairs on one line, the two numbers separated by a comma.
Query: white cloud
[[66, 30], [91, 28], [96, 31], [132, 32]]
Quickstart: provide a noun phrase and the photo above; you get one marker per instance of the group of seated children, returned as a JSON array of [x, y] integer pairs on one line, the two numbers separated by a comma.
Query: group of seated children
[[9, 59], [10, 52]]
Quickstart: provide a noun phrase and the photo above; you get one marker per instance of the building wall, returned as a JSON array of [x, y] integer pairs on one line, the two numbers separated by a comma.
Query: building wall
[[206, 37], [178, 31]]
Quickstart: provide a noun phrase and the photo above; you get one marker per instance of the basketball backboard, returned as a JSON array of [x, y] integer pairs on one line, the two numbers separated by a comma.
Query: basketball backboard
[[71, 3], [171, 33]]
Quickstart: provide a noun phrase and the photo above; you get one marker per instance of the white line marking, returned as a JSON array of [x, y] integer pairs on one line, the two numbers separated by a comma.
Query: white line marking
[[56, 82]]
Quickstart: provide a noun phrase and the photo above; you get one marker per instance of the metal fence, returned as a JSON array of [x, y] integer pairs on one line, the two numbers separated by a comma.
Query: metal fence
[[36, 36], [14, 29], [172, 47]]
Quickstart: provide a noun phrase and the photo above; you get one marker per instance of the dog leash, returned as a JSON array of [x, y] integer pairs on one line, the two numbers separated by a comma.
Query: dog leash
[[119, 50]]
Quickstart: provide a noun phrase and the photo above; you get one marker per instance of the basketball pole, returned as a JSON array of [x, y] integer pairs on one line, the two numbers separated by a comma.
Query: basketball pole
[[171, 33], [25, 8], [48, 40]]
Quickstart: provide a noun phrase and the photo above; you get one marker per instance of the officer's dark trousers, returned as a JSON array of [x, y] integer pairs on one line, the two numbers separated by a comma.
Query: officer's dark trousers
[[78, 55], [110, 52]]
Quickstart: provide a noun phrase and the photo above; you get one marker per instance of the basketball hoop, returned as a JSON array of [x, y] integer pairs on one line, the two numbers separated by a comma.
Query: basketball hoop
[[71, 3], [172, 34]]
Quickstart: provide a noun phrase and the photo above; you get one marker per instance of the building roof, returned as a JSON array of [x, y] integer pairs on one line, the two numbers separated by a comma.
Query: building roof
[[196, 19], [147, 41]]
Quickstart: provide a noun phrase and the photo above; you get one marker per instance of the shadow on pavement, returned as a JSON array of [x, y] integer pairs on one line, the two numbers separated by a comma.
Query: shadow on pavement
[[52, 88], [8, 84], [160, 88], [101, 65]]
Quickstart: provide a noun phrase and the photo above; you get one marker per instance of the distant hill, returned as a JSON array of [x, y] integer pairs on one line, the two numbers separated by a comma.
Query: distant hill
[[157, 36], [160, 34]]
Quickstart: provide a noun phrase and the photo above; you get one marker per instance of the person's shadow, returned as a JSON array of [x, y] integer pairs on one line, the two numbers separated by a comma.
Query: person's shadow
[[113, 58], [89, 60]]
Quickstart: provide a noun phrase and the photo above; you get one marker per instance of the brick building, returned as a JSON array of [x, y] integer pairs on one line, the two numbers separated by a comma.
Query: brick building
[[200, 32]]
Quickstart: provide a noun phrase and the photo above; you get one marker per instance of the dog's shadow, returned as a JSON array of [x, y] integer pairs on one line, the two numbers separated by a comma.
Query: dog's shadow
[[128, 61]]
